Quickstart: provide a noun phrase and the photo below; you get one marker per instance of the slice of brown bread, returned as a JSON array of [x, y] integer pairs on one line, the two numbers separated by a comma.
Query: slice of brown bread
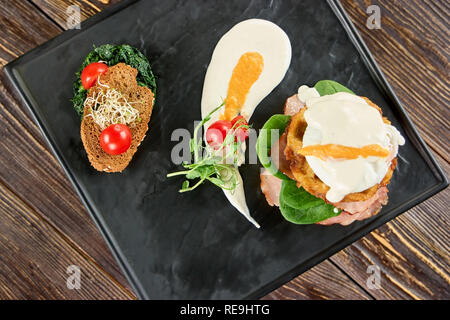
[[122, 78]]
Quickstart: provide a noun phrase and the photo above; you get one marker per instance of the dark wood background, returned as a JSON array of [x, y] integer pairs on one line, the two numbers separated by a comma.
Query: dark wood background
[[44, 228]]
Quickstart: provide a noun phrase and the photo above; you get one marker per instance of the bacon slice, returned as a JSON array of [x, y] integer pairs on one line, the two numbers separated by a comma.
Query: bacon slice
[[359, 210], [293, 105], [271, 187], [360, 206]]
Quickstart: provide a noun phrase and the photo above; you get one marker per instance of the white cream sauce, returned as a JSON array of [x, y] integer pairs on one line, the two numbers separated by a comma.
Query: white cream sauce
[[254, 35]]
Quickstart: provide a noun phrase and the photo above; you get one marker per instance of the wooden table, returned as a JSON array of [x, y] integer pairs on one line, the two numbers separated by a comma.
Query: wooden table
[[44, 228]]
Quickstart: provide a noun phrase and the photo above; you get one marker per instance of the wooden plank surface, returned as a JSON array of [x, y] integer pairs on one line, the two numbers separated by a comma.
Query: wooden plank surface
[[411, 251], [324, 281], [35, 258]]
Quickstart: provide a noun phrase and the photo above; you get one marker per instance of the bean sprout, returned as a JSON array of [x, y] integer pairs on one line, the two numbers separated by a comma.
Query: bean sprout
[[109, 107]]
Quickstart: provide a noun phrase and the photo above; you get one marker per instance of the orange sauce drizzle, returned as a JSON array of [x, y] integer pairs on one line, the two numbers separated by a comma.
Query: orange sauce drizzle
[[343, 152], [245, 74]]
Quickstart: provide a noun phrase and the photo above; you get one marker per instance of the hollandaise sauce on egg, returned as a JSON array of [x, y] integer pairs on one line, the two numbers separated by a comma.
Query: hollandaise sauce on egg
[[346, 143], [249, 61]]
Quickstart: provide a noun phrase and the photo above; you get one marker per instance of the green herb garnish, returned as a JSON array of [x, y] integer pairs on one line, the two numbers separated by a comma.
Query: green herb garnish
[[213, 164]]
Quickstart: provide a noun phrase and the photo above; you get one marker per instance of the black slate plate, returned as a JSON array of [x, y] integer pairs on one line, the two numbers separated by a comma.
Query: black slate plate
[[196, 245]]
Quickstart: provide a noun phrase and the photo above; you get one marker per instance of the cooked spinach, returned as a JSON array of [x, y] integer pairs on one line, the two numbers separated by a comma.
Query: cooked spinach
[[300, 207], [264, 143], [112, 55], [326, 87]]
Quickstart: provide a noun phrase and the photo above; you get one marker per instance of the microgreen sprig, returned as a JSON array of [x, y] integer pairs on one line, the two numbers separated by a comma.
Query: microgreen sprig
[[213, 164]]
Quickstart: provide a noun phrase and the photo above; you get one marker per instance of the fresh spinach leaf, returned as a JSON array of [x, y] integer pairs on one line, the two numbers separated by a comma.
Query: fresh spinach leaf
[[264, 143], [326, 87], [300, 207], [112, 55], [298, 198]]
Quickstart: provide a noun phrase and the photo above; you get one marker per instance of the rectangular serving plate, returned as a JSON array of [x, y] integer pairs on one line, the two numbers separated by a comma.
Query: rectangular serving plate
[[196, 246]]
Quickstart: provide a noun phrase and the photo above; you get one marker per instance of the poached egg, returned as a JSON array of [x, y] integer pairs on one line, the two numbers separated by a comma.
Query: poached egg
[[346, 143]]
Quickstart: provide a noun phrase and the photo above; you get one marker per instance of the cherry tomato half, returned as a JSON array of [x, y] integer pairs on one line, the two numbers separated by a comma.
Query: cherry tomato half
[[90, 74], [116, 139], [217, 132], [241, 133]]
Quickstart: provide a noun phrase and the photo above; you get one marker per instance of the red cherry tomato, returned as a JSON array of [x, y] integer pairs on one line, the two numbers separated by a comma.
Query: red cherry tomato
[[241, 133], [116, 139], [90, 74], [217, 132]]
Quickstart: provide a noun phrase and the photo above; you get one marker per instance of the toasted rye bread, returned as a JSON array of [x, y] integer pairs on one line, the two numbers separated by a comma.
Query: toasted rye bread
[[122, 78]]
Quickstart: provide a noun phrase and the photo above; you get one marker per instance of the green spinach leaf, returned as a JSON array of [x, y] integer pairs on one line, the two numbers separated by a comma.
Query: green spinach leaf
[[264, 143], [112, 55], [326, 87], [298, 198], [300, 207]]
